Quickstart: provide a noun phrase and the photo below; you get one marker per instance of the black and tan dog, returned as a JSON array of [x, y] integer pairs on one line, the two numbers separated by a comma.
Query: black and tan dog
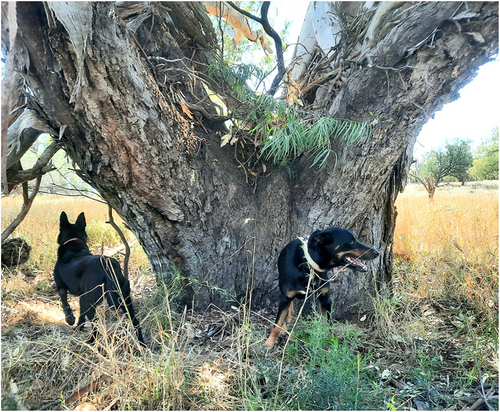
[[91, 277], [300, 259]]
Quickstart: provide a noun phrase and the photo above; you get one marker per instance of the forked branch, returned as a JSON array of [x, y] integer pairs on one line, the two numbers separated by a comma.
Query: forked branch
[[264, 21]]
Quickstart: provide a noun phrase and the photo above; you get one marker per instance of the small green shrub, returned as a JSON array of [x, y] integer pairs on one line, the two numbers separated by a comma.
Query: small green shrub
[[320, 370], [282, 132], [101, 234]]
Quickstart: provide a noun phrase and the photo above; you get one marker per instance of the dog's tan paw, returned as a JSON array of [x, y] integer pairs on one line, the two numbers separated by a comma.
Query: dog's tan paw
[[269, 343]]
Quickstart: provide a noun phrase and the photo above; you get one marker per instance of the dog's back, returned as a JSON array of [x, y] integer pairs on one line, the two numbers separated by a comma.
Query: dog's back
[[291, 267], [81, 273]]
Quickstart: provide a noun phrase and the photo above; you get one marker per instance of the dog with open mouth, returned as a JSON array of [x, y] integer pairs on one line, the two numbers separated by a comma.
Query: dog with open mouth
[[314, 257]]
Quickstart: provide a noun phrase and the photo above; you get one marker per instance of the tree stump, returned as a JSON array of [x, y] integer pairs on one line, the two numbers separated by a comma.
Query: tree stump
[[15, 251]]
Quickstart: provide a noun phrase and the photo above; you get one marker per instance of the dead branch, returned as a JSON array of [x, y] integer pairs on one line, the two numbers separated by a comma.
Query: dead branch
[[483, 400], [111, 221], [321, 80], [27, 202], [42, 166], [118, 249], [279, 48], [264, 21]]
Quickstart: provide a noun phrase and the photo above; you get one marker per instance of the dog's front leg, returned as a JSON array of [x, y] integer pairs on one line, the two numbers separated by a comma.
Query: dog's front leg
[[283, 310], [325, 305], [324, 300], [68, 313]]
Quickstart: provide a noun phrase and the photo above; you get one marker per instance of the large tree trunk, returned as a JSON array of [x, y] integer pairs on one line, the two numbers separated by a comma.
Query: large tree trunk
[[189, 200]]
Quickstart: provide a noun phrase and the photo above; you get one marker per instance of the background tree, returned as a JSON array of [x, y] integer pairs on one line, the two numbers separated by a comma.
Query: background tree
[[454, 160], [124, 88], [485, 164]]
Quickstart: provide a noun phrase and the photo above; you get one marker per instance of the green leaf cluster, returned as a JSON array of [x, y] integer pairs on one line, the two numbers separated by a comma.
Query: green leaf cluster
[[454, 160], [236, 77], [313, 137], [282, 132], [485, 164]]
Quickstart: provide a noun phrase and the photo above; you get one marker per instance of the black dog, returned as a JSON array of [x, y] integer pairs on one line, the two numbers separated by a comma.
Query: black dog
[[88, 276], [324, 250]]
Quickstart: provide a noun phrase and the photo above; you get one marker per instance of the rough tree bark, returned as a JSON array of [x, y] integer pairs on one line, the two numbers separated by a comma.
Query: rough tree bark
[[121, 99]]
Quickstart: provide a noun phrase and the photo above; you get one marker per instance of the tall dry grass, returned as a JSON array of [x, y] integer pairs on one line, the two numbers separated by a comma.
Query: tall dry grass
[[449, 248], [41, 227], [445, 250]]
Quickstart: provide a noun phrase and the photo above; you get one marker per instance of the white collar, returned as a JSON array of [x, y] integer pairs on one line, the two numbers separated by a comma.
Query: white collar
[[308, 257]]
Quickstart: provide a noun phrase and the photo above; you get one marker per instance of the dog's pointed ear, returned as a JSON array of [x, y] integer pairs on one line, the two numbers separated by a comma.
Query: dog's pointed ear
[[80, 220], [320, 238], [63, 220]]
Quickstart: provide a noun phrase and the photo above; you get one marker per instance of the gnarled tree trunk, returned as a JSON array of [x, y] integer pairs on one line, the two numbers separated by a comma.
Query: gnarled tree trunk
[[121, 97]]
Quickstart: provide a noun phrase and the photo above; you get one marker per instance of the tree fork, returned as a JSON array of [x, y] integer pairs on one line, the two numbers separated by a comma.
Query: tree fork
[[196, 212]]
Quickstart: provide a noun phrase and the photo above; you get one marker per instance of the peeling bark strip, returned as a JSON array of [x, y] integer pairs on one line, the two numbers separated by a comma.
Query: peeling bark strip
[[77, 21], [235, 19], [129, 136]]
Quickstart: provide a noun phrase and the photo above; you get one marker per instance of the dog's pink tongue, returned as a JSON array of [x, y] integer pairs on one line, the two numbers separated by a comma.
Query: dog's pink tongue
[[357, 262]]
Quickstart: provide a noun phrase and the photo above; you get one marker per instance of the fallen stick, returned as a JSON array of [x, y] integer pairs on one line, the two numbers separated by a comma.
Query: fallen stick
[[118, 249], [484, 400]]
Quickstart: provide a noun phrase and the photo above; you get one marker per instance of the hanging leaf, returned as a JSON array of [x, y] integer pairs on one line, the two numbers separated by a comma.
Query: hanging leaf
[[186, 110], [225, 139], [476, 36]]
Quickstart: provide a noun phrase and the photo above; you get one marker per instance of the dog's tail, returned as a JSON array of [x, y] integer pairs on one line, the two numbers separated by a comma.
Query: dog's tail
[[115, 285], [117, 290]]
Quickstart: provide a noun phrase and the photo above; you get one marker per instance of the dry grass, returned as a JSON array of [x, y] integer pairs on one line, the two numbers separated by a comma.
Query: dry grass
[[463, 220], [449, 249], [431, 343], [41, 227], [45, 363], [111, 374]]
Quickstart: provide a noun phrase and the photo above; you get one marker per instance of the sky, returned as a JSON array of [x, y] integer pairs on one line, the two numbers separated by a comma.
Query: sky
[[472, 116]]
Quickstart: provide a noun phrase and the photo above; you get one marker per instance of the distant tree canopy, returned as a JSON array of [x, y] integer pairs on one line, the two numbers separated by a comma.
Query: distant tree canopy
[[485, 164], [454, 160]]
